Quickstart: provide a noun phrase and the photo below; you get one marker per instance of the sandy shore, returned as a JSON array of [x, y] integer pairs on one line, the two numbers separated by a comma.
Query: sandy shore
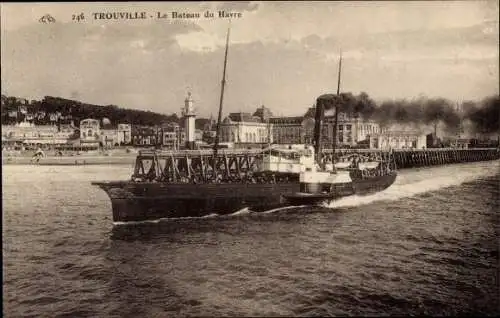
[[82, 159]]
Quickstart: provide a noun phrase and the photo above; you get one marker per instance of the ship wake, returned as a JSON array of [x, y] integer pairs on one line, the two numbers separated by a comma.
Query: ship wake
[[412, 183], [208, 216]]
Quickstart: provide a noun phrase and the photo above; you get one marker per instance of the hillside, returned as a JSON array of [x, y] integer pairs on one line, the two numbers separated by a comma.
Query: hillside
[[483, 114], [71, 110]]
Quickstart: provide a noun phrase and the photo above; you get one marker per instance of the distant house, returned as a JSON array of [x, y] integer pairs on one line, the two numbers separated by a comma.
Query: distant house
[[173, 136], [124, 134], [23, 109], [28, 134], [109, 138], [143, 136]]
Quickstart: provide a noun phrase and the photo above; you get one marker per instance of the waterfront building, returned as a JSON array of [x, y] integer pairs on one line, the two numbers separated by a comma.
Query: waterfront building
[[243, 128], [351, 128], [124, 132], [90, 131], [172, 137], [28, 134], [398, 139], [109, 138], [27, 130], [143, 136], [170, 140], [365, 128], [288, 130]]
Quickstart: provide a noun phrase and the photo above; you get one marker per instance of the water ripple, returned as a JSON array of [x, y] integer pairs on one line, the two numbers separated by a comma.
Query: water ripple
[[426, 246]]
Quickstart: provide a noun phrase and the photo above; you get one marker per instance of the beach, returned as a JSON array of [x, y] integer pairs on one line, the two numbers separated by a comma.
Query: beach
[[118, 156]]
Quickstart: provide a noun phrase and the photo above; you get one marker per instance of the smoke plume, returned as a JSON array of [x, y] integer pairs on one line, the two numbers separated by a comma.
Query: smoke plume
[[484, 115]]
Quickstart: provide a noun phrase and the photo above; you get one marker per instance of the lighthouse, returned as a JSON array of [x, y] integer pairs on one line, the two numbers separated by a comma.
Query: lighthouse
[[189, 120]]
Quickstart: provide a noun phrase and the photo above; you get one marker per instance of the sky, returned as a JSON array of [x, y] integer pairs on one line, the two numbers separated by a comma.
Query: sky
[[281, 54]]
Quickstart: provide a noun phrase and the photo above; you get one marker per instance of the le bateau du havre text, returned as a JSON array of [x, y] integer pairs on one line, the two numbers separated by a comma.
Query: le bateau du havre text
[[136, 15]]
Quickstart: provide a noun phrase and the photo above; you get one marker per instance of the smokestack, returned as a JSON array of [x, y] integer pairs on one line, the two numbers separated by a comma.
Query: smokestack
[[318, 120]]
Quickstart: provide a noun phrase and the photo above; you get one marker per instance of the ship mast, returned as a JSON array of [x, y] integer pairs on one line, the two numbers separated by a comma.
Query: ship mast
[[334, 145], [223, 83]]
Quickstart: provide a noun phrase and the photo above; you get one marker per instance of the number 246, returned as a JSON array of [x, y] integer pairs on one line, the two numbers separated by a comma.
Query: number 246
[[78, 17]]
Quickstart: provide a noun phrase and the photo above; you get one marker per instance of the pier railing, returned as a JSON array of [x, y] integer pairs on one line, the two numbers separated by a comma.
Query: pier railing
[[203, 152], [240, 151]]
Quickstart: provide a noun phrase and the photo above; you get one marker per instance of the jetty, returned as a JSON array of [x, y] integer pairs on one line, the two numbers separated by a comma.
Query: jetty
[[412, 158]]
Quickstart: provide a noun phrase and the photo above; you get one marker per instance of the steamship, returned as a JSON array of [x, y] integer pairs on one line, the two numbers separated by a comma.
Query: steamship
[[275, 178]]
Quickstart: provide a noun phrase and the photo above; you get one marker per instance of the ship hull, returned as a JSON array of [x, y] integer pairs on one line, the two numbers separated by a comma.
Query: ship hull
[[360, 187], [373, 185], [140, 201]]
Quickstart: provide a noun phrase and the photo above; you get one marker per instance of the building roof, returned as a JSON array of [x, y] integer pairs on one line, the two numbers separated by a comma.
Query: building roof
[[263, 113], [244, 117]]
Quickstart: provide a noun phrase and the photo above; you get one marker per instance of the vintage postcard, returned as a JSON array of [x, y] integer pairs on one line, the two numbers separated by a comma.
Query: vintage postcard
[[260, 158]]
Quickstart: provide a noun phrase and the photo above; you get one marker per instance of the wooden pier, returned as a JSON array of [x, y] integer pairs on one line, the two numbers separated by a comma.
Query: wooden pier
[[237, 165], [412, 158]]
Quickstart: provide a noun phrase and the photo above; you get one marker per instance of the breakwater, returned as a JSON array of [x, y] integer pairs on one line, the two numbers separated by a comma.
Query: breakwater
[[445, 156], [406, 158]]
